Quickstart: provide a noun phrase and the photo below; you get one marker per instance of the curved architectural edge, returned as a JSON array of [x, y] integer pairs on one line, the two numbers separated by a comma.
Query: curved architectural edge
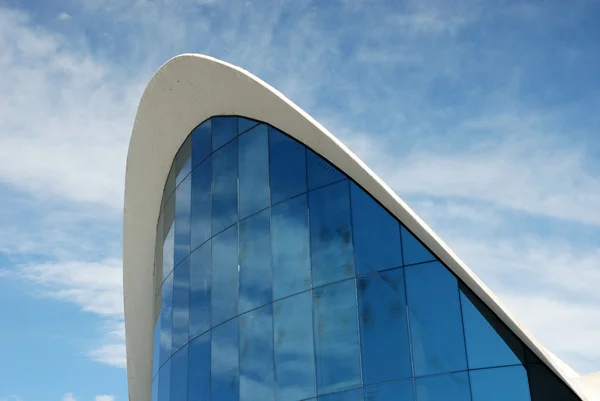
[[187, 90]]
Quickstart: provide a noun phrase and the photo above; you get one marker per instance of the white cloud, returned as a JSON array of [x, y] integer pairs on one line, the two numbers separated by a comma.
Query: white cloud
[[68, 397], [104, 397], [64, 16]]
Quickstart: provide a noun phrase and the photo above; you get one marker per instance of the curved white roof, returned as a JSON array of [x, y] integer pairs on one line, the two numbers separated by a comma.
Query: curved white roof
[[187, 90]]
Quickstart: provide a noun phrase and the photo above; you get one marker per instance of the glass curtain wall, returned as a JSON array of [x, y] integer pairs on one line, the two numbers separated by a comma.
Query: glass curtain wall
[[278, 278]]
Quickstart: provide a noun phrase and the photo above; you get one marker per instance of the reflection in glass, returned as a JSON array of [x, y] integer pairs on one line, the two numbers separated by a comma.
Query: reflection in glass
[[200, 285], [397, 391], [253, 171], [290, 247], [155, 389], [412, 250], [224, 187], [331, 234], [181, 304], [224, 129], [199, 369], [179, 375], [201, 213], [224, 295], [287, 166], [166, 319], [294, 352], [183, 161], [485, 347], [255, 261], [164, 382], [336, 337], [156, 348], [350, 395], [383, 327], [168, 250], [435, 319], [225, 362], [448, 387], [376, 234], [256, 355], [500, 384], [245, 124], [201, 143], [319, 171]]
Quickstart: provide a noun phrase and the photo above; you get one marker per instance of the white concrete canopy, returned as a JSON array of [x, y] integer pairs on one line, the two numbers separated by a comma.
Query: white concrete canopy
[[187, 90]]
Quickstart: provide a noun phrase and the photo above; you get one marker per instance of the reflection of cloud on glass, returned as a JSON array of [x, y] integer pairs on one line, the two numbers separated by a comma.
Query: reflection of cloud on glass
[[256, 355], [224, 294], [168, 252]]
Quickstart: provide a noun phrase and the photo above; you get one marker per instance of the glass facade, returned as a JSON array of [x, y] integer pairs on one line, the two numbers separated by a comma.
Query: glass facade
[[280, 279]]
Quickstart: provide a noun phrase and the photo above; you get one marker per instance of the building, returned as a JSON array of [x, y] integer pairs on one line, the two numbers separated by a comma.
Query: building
[[264, 261]]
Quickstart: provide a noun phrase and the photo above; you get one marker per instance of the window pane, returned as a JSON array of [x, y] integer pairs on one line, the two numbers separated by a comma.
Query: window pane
[[290, 246], [224, 188], [200, 283], [254, 170], [155, 389], [452, 387], [255, 261], [294, 352], [336, 337], [256, 355], [182, 219], [383, 327], [225, 362], [168, 250], [331, 234], [398, 391], [376, 234], [166, 323], [500, 384], [245, 124], [320, 171], [288, 166], [164, 382], [183, 161], [435, 319], [199, 369], [181, 304], [170, 184], [201, 222], [201, 143], [487, 345], [224, 294], [351, 395], [179, 372], [156, 348], [224, 129], [413, 251]]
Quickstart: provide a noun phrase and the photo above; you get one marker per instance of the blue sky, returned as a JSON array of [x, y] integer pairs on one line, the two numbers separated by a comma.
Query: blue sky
[[482, 115]]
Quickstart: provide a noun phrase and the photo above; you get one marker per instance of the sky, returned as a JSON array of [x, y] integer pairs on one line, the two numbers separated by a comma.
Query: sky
[[483, 116]]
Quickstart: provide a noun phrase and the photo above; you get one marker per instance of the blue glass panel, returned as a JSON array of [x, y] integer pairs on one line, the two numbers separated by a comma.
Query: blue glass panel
[[181, 304], [155, 389], [254, 170], [435, 319], [183, 161], [199, 369], [156, 348], [288, 166], [245, 124], [320, 171], [225, 362], [168, 250], [164, 382], [376, 234], [500, 384], [183, 203], [255, 261], [224, 129], [166, 323], [485, 346], [412, 250], [336, 337], [451, 387], [383, 327], [257, 379], [201, 143], [290, 247], [294, 352], [201, 216], [331, 234], [224, 294], [179, 375], [170, 184], [398, 391], [350, 395], [224, 188], [200, 283]]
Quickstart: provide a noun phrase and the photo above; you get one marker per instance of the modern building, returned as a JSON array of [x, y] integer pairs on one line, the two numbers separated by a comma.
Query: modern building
[[264, 261]]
